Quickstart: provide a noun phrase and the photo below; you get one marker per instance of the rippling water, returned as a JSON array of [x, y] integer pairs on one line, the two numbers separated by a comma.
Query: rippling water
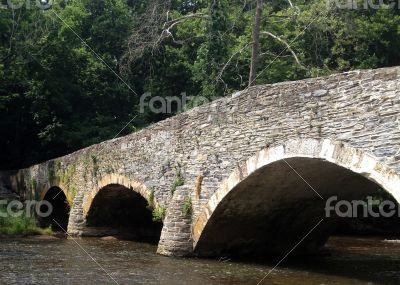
[[61, 261]]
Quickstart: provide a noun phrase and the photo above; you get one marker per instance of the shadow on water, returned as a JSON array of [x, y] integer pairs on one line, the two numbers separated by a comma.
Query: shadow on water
[[368, 259]]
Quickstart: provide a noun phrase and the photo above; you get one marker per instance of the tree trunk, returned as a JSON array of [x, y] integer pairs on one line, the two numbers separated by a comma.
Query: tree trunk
[[256, 43]]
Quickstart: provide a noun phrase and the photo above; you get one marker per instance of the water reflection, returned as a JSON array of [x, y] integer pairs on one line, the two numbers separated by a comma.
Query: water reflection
[[34, 261]]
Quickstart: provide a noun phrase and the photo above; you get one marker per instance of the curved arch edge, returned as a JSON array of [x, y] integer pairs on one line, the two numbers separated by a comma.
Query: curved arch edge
[[108, 179], [356, 160], [48, 186]]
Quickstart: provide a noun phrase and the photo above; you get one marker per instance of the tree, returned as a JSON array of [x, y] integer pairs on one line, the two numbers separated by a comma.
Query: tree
[[57, 95], [256, 43]]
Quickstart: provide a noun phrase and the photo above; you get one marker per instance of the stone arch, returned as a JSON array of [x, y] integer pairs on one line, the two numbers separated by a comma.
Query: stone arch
[[48, 186], [117, 179], [119, 206], [336, 154], [56, 195]]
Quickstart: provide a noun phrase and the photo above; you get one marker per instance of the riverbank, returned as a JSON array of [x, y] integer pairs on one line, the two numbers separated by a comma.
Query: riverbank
[[21, 226]]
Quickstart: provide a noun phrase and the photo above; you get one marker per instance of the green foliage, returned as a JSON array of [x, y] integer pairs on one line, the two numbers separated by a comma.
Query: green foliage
[[21, 225], [33, 184], [212, 52], [71, 195], [159, 214], [178, 181], [187, 207], [56, 96], [150, 200], [66, 175], [94, 159], [58, 165]]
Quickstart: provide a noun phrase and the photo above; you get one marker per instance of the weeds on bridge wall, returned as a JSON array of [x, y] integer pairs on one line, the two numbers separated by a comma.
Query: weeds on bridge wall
[[72, 193], [188, 207], [91, 160], [33, 184], [66, 175], [150, 201], [178, 181], [159, 214], [66, 179]]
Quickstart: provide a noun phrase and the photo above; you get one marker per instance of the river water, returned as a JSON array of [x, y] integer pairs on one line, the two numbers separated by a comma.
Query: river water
[[63, 261]]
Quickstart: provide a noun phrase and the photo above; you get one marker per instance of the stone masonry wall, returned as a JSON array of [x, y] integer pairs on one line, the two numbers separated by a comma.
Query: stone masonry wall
[[360, 108]]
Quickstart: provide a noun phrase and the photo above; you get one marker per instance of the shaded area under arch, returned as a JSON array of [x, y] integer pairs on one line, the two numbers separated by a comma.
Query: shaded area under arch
[[273, 208], [60, 210], [121, 212]]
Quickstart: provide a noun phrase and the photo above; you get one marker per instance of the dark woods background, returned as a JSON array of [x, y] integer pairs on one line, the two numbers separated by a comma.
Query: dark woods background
[[56, 96]]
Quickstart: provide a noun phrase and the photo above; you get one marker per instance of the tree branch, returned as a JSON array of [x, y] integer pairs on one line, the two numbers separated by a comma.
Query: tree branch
[[287, 46], [166, 32], [219, 77]]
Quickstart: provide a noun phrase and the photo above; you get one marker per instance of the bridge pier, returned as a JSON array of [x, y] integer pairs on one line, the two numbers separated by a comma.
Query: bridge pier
[[77, 222], [176, 236]]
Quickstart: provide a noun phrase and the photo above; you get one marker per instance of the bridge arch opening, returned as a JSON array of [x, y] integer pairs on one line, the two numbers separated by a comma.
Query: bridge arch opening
[[282, 203], [58, 218], [123, 213]]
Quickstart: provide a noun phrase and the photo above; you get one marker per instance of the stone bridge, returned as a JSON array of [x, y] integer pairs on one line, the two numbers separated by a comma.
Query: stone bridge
[[246, 173]]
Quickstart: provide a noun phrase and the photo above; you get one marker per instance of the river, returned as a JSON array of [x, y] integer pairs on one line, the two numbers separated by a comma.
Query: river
[[63, 261]]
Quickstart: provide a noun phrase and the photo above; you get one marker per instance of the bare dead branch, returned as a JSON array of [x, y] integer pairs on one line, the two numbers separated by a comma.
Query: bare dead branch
[[166, 32], [289, 48], [155, 26], [219, 77]]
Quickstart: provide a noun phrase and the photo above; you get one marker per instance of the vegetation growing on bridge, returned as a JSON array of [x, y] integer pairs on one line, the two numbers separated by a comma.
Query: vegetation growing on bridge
[[33, 184], [178, 180], [65, 176], [187, 207], [159, 213], [150, 200]]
